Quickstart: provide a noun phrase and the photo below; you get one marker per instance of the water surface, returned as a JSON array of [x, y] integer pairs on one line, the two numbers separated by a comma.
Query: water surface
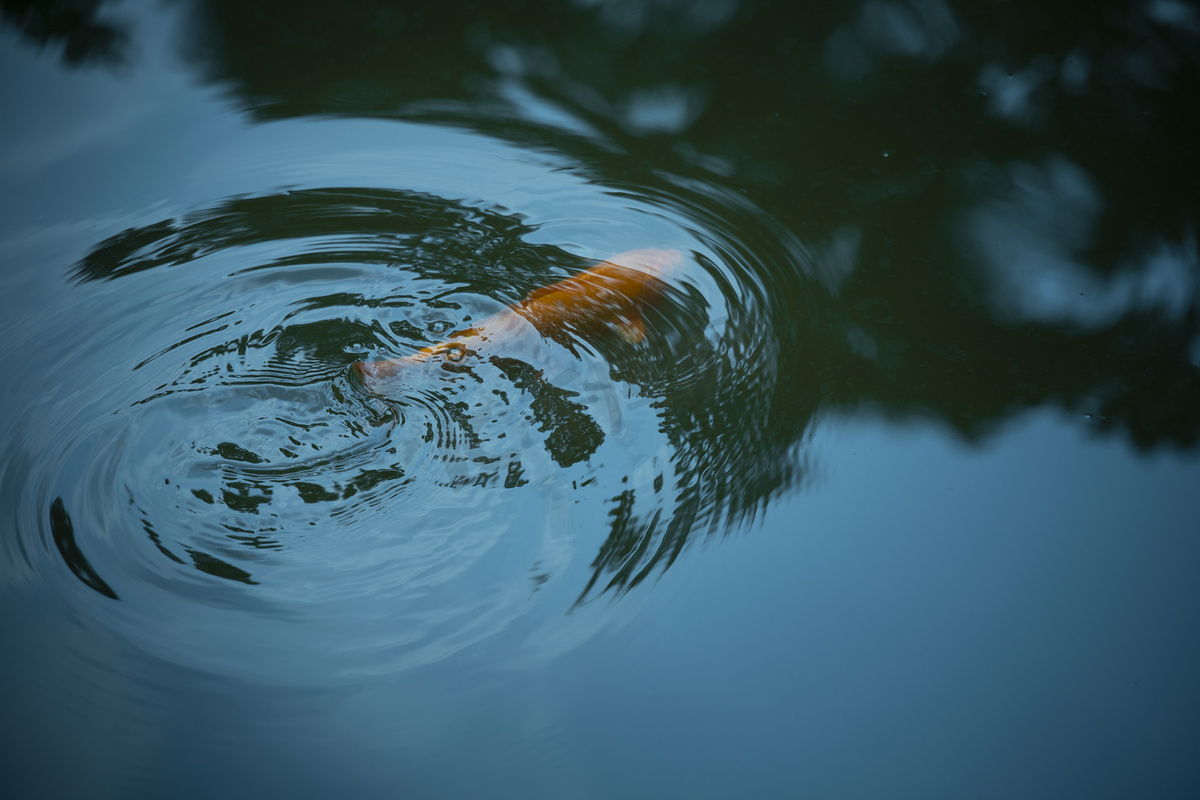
[[895, 496]]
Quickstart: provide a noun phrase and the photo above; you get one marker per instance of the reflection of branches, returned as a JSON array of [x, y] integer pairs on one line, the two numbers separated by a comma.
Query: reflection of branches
[[733, 430], [74, 23], [967, 90], [1101, 77], [913, 330], [372, 225], [573, 434], [909, 339], [219, 568], [1135, 376], [630, 551]]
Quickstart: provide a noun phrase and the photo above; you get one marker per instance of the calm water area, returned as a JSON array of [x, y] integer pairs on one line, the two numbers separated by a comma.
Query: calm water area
[[876, 476]]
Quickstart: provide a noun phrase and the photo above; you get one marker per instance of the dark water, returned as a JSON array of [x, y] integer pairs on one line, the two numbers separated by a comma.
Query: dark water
[[896, 497]]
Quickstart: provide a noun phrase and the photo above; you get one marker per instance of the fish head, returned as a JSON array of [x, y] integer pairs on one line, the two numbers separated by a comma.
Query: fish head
[[454, 356]]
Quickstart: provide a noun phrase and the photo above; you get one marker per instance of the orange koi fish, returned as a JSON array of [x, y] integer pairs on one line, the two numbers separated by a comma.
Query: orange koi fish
[[607, 299]]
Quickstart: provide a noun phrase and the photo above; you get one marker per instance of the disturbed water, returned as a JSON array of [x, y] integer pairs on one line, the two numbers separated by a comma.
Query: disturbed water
[[887, 488], [239, 474]]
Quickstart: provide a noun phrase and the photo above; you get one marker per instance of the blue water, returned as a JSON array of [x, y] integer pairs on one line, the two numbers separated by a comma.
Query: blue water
[[896, 498]]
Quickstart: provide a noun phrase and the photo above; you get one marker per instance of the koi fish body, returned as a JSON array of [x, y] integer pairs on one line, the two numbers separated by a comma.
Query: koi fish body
[[607, 299]]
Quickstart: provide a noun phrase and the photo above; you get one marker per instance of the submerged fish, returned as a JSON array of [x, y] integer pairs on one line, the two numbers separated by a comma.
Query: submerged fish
[[607, 299]]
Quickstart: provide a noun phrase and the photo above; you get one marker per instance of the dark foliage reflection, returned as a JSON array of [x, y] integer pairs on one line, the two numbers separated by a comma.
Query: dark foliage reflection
[[1004, 195], [1021, 177], [85, 35]]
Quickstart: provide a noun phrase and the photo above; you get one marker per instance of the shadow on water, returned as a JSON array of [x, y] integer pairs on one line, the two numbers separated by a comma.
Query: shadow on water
[[973, 269]]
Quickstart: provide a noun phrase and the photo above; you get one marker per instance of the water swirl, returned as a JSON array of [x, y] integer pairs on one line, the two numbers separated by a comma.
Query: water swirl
[[238, 467]]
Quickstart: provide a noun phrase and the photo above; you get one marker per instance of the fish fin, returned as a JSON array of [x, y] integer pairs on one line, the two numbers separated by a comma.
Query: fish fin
[[631, 330]]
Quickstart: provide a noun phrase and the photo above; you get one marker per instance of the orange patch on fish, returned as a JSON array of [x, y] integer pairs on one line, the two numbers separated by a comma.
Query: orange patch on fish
[[607, 299]]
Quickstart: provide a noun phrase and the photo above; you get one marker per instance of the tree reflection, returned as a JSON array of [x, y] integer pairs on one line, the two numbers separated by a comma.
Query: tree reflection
[[1020, 175], [75, 24], [1017, 182]]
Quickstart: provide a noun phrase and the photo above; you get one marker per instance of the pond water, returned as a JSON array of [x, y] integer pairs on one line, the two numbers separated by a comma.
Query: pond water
[[876, 474]]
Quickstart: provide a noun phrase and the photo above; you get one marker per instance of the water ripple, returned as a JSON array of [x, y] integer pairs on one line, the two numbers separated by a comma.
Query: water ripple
[[214, 462]]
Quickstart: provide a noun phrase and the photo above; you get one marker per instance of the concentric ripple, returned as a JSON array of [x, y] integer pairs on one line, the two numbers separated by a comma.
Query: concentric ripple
[[210, 454]]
